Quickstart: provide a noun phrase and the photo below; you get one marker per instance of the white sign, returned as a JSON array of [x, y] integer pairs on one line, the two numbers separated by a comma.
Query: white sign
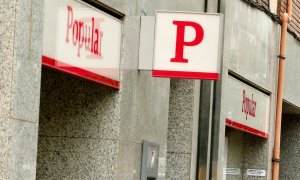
[[256, 172], [233, 171], [187, 45], [246, 108], [82, 40]]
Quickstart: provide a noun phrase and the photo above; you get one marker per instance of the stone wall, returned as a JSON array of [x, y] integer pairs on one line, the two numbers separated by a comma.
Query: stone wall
[[21, 27], [79, 128], [251, 41], [289, 156], [88, 130]]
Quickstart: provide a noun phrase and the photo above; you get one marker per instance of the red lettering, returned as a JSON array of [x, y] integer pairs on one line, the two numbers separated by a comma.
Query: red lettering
[[75, 29], [248, 105], [93, 26], [69, 21], [87, 37], [180, 42], [96, 44], [80, 38], [86, 34]]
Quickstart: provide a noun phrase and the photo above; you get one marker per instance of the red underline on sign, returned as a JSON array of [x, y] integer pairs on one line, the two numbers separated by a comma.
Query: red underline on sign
[[52, 63], [186, 74], [245, 128]]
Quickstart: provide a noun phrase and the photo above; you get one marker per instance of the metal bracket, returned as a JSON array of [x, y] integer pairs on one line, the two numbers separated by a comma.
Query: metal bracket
[[281, 57], [146, 42], [275, 160]]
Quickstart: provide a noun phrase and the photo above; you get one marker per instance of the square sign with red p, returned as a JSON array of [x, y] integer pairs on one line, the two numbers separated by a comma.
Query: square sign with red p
[[187, 45]]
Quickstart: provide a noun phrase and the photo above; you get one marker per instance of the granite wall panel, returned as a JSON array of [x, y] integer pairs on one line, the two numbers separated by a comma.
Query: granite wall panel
[[289, 156], [7, 34], [27, 62], [20, 62], [79, 128], [77, 158]]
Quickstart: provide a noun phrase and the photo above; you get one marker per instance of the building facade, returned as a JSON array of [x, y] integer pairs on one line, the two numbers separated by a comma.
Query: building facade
[[54, 125]]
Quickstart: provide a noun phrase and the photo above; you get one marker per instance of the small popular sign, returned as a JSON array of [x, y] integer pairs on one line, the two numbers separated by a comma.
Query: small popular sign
[[246, 108], [82, 40], [233, 171], [256, 172], [187, 45]]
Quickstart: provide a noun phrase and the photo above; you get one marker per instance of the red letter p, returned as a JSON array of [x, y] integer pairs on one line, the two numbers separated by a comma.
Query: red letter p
[[180, 43], [69, 21]]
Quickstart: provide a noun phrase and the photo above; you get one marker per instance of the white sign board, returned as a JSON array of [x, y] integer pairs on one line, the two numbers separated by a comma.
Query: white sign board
[[82, 40], [187, 45], [256, 172], [246, 108], [233, 171]]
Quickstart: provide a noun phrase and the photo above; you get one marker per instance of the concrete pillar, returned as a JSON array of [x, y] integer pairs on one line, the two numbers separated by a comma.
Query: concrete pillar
[[20, 69], [182, 129]]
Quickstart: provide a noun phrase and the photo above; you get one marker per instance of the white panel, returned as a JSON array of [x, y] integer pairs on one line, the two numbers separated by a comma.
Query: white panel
[[202, 56], [246, 108], [256, 172], [233, 171], [78, 35], [273, 6], [146, 42]]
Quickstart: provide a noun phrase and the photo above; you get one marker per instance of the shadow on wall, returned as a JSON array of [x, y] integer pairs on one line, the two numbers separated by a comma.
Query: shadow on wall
[[78, 128]]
